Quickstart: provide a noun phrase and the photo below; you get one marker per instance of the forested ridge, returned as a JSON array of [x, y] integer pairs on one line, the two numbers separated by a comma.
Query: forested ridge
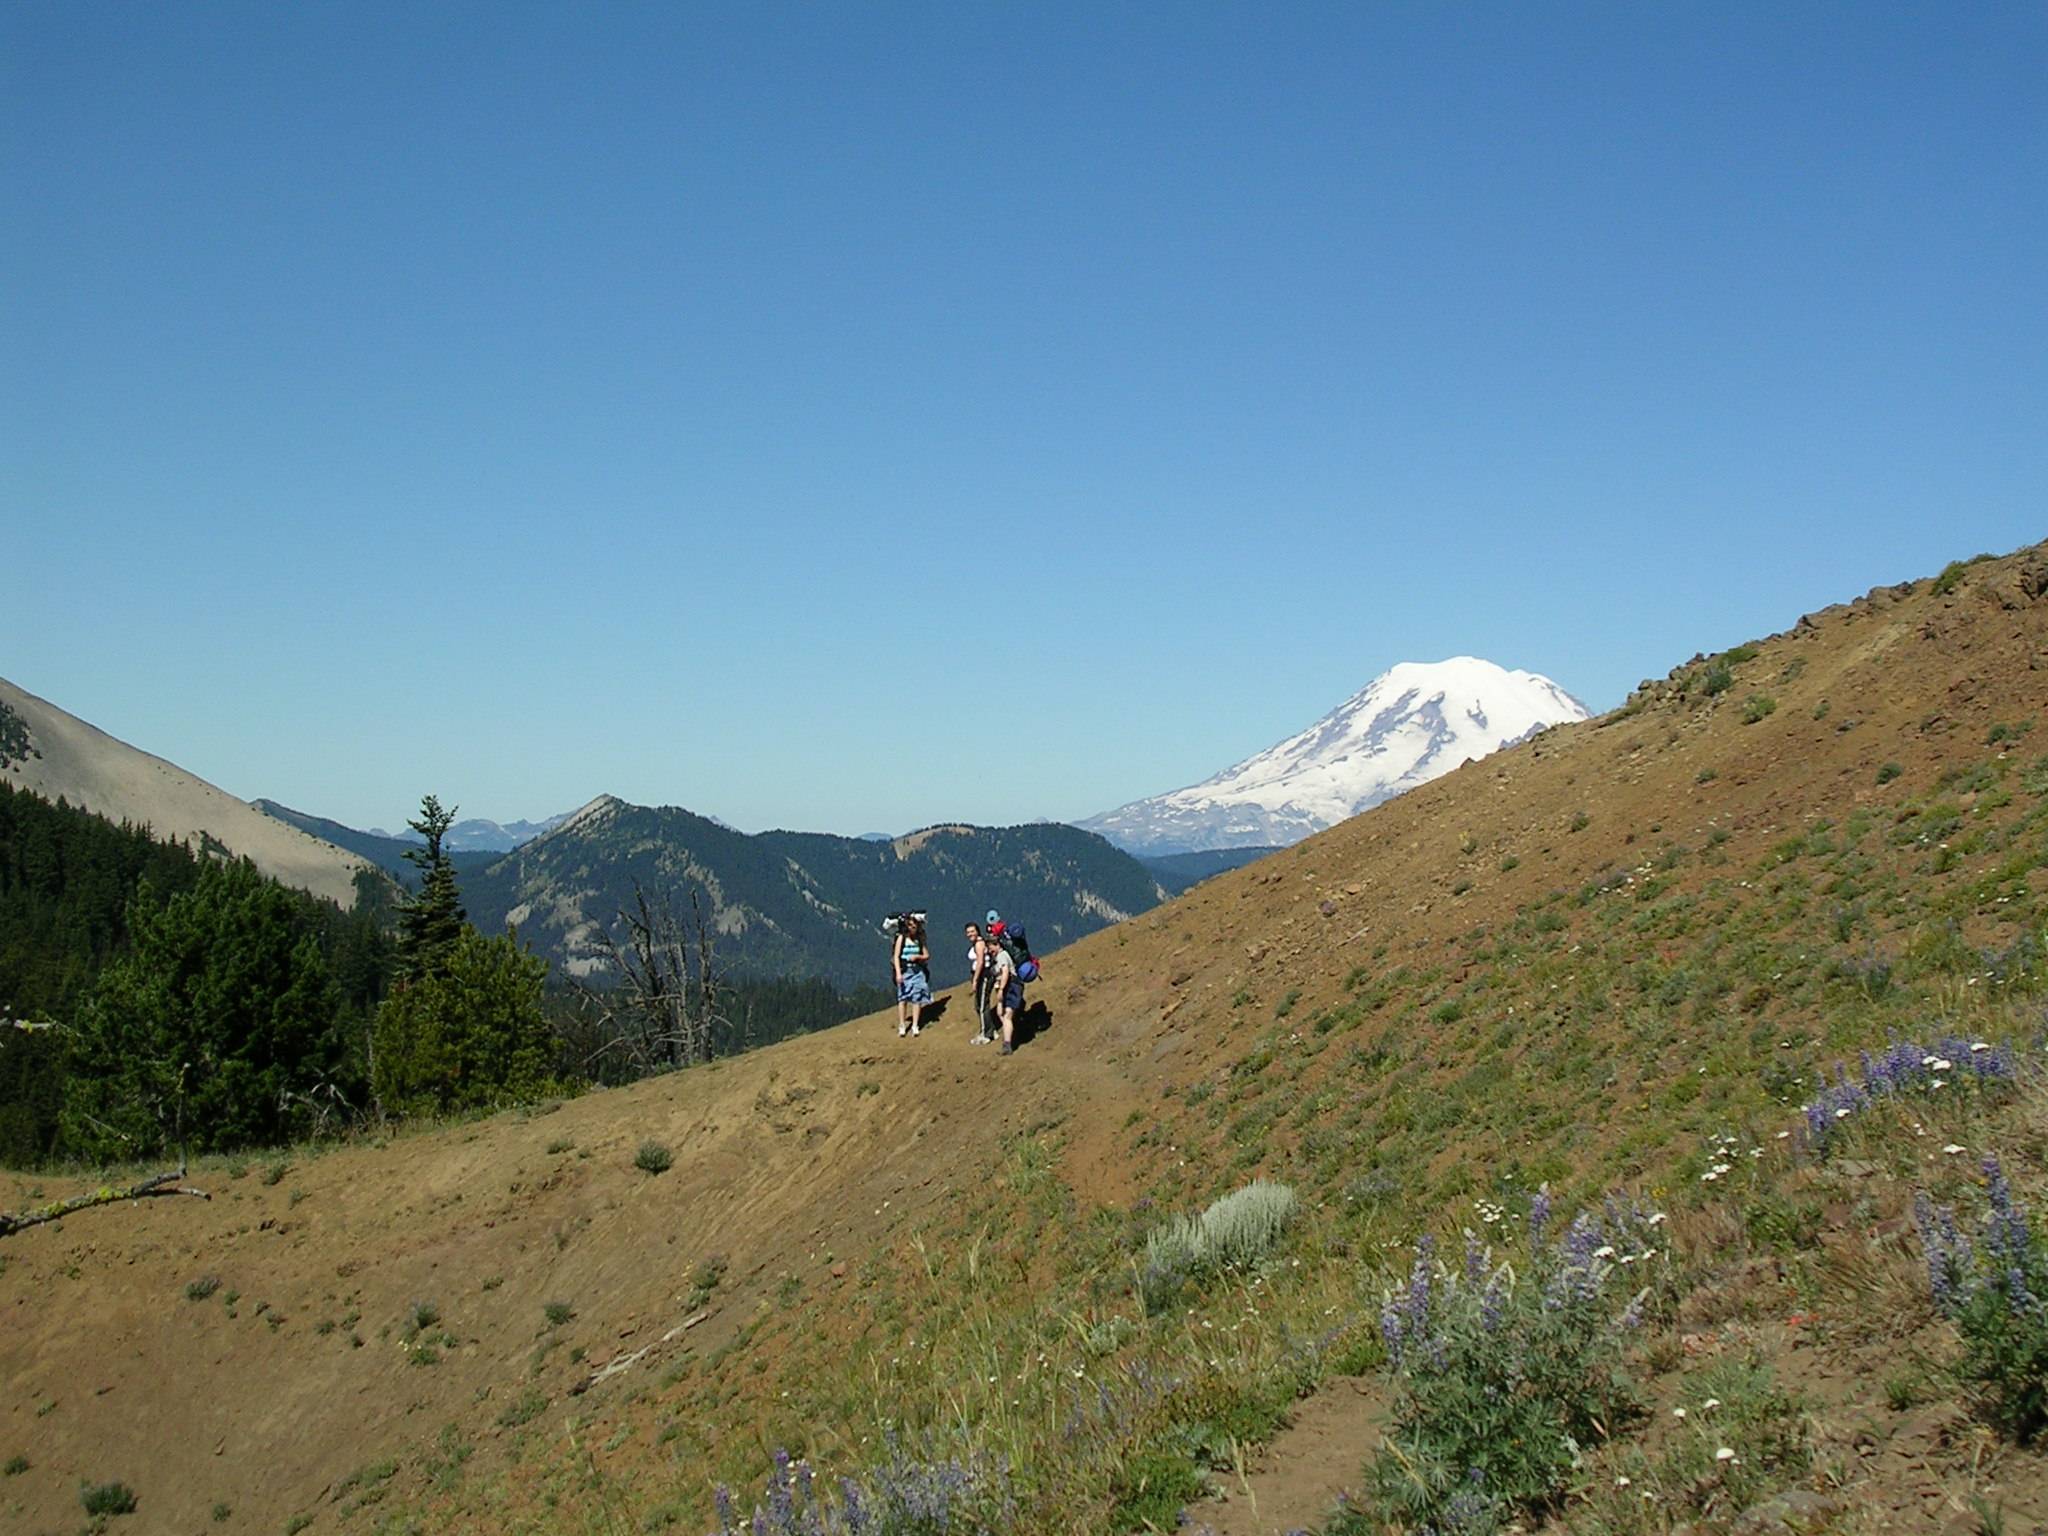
[[158, 996]]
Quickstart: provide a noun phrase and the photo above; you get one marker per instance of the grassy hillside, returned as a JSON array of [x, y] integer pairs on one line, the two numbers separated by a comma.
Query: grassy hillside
[[1627, 955]]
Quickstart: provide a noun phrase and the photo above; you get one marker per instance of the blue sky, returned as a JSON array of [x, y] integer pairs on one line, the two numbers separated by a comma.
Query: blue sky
[[856, 417]]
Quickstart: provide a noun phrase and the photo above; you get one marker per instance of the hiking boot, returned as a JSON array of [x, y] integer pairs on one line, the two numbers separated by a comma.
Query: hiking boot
[[1008, 1049]]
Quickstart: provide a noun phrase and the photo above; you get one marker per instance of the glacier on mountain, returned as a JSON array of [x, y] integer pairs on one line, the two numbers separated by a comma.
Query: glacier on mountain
[[1412, 723]]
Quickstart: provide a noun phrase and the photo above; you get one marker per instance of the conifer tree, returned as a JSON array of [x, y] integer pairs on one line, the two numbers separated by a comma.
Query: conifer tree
[[432, 919]]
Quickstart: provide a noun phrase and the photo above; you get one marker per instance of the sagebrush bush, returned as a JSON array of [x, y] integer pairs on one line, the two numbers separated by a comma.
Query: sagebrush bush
[[1241, 1228], [1503, 1371], [1233, 1233], [653, 1157], [1995, 1288]]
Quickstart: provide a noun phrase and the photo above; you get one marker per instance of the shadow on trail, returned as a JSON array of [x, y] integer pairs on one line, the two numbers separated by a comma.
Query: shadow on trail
[[1034, 1021]]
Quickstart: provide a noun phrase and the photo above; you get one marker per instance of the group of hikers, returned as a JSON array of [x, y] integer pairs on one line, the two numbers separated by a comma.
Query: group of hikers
[[999, 960]]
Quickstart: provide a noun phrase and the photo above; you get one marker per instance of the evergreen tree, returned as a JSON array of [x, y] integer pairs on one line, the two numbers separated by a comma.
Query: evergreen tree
[[219, 1029], [468, 1035], [432, 919]]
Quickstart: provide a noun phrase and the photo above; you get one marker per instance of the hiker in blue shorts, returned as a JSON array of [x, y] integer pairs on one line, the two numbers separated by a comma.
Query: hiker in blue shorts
[[1005, 989], [913, 975]]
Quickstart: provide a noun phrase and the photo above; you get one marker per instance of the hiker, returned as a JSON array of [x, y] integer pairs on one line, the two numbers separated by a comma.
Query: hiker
[[1004, 986], [981, 974], [913, 975]]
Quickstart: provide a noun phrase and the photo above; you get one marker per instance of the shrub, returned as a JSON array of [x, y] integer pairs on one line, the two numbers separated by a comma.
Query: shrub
[[202, 1288], [1995, 1288], [557, 1313], [1757, 706], [1889, 772], [1950, 578], [16, 1465], [104, 1499], [1503, 1371], [1233, 1233], [653, 1157]]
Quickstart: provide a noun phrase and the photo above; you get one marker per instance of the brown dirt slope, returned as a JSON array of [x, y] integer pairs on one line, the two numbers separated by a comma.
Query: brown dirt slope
[[1564, 963]]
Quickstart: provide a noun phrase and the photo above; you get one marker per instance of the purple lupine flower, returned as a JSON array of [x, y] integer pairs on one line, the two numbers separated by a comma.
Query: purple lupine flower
[[723, 1499], [1493, 1301], [780, 1510], [1475, 1258], [1418, 1284], [1539, 1215], [1949, 1253]]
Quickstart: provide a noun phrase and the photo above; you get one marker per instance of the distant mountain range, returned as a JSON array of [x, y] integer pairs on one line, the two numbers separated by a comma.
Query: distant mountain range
[[1414, 722], [475, 835], [803, 903], [59, 756], [388, 853]]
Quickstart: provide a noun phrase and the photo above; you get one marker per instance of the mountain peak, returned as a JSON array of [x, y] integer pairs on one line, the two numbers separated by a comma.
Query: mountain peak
[[1415, 721]]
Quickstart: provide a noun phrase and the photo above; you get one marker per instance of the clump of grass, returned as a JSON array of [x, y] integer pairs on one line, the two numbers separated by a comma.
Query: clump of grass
[[274, 1174], [16, 1465], [527, 1407], [653, 1157], [1758, 706], [1579, 822], [1286, 1004], [704, 1280], [1233, 1233], [103, 1500], [559, 1145], [557, 1313], [1889, 772], [202, 1288]]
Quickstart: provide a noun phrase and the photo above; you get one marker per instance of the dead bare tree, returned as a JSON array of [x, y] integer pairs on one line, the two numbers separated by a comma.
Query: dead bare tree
[[665, 1007]]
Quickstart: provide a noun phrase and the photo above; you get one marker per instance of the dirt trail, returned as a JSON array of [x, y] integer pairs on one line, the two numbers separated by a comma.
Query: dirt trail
[[1291, 1484], [293, 1371]]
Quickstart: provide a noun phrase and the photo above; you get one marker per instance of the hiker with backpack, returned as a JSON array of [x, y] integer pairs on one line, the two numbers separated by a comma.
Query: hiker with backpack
[[911, 960], [1013, 966], [982, 975]]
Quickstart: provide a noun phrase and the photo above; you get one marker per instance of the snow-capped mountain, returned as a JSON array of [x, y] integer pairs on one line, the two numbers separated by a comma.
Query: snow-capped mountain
[[1404, 728]]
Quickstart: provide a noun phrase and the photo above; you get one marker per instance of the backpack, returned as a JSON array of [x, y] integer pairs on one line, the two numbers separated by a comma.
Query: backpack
[[1018, 946]]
